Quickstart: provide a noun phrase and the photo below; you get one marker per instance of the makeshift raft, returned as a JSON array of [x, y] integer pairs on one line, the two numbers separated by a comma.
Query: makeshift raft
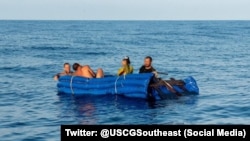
[[131, 85]]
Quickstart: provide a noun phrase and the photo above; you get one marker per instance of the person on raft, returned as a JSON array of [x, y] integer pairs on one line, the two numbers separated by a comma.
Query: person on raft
[[126, 68], [158, 82], [86, 71], [66, 71], [147, 67]]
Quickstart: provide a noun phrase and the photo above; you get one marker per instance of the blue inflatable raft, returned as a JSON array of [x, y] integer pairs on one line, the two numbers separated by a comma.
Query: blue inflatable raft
[[132, 85]]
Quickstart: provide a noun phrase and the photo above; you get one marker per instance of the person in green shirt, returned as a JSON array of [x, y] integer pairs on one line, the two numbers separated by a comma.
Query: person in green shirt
[[126, 68]]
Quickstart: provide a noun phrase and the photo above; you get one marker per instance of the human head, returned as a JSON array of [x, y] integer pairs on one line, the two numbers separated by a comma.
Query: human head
[[148, 61], [76, 66], [66, 67], [125, 61]]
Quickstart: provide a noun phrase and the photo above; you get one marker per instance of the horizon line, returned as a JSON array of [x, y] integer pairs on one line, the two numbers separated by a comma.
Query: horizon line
[[124, 19]]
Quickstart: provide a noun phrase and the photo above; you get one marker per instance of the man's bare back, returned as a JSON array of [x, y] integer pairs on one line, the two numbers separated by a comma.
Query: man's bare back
[[86, 71]]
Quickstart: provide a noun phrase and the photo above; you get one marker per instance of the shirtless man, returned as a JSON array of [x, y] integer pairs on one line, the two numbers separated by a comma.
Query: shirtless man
[[86, 71]]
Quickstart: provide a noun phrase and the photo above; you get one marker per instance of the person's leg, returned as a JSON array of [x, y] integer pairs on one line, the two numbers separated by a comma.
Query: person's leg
[[99, 73]]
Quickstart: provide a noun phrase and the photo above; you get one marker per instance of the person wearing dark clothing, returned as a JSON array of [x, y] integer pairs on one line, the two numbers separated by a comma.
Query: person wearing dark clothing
[[156, 82], [144, 69], [147, 66]]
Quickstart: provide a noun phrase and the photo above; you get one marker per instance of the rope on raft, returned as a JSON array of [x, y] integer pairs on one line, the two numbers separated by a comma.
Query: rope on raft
[[124, 77], [71, 80], [116, 84]]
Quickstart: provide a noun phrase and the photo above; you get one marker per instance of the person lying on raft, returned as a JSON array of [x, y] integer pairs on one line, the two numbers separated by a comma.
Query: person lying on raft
[[126, 67], [86, 71], [66, 71]]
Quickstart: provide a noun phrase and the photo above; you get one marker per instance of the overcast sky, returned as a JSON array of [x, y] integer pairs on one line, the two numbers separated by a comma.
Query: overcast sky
[[125, 9]]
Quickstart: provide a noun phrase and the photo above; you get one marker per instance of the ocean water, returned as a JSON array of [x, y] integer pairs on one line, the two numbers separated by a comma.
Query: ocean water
[[215, 53]]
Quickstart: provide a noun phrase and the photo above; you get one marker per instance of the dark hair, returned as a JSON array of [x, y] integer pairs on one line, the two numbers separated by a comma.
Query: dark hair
[[66, 64], [150, 58], [128, 60], [75, 66]]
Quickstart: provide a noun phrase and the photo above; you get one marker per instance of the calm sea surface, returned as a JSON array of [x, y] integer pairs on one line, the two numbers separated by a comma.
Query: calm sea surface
[[215, 53]]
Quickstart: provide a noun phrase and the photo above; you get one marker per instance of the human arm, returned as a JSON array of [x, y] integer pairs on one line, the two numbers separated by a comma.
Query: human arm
[[155, 72], [89, 70], [56, 77], [121, 71], [92, 72]]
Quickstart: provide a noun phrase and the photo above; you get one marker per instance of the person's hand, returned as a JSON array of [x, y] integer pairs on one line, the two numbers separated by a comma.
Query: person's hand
[[155, 73], [55, 78]]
